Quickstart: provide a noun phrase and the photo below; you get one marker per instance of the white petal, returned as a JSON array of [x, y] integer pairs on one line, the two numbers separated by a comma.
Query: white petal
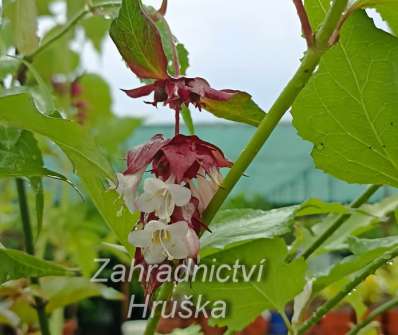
[[154, 185], [154, 254], [154, 225], [166, 208], [130, 201], [127, 188], [177, 247], [148, 203], [140, 238], [180, 194], [204, 192], [178, 229]]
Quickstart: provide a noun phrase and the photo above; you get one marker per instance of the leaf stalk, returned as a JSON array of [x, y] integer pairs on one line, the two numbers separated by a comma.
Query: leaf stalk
[[40, 304]]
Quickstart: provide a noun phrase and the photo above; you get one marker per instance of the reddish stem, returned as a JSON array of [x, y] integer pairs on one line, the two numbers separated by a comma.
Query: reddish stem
[[177, 121], [305, 22], [163, 9]]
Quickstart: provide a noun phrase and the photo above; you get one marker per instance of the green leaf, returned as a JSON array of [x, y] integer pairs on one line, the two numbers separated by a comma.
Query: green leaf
[[58, 58], [115, 131], [240, 108], [139, 41], [20, 154], [44, 99], [280, 282], [25, 26], [361, 221], [238, 225], [318, 207], [362, 245], [170, 44], [348, 109], [183, 57], [389, 13], [43, 7], [17, 264], [365, 251], [62, 291], [388, 10], [8, 66], [95, 28], [96, 94], [77, 143]]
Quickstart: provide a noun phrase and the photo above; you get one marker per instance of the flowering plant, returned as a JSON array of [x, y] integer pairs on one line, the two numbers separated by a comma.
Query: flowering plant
[[165, 208]]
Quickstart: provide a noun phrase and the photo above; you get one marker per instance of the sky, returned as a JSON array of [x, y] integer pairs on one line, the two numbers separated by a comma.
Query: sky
[[254, 47]]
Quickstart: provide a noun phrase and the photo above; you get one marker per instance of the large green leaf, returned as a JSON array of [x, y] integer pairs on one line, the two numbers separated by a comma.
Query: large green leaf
[[388, 9], [348, 109], [139, 41], [279, 284], [76, 142], [238, 225], [16, 264], [239, 108], [63, 291], [20, 155]]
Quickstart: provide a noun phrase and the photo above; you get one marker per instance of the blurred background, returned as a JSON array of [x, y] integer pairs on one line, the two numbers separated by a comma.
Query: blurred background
[[254, 47]]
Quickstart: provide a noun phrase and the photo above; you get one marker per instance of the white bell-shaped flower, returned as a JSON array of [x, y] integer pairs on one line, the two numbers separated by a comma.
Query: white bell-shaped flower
[[162, 197], [160, 241]]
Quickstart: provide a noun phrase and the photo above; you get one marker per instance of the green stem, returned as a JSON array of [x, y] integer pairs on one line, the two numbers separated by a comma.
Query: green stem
[[30, 249], [374, 314], [165, 292], [287, 322], [368, 270], [280, 107], [337, 223], [70, 24]]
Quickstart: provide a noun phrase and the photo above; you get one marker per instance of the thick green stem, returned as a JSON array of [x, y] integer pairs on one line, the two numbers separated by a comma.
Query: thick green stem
[[29, 246], [368, 270], [280, 107], [165, 293], [373, 315], [336, 224]]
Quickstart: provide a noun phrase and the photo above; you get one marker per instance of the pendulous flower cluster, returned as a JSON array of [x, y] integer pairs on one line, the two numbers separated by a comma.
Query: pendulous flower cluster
[[184, 176]]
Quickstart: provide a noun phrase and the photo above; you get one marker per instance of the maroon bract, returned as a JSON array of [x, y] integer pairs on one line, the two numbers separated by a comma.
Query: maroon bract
[[175, 92], [142, 155], [183, 156]]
